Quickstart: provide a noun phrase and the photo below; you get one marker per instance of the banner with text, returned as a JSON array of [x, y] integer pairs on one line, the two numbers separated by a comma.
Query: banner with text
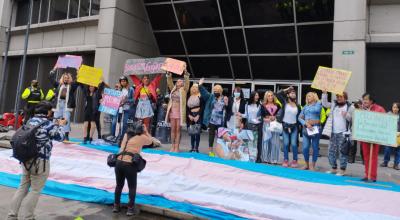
[[110, 101], [90, 75], [153, 66], [69, 61], [331, 80], [375, 127]]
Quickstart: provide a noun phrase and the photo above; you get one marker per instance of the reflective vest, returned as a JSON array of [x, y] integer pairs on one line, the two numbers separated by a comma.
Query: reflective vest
[[50, 95], [32, 95]]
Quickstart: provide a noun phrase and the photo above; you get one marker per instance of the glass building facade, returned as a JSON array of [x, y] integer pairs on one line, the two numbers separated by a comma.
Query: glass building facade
[[268, 40]]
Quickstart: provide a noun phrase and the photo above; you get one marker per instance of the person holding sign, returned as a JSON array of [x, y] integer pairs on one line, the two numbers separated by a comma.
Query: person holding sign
[[309, 118], [388, 149], [340, 131], [176, 110], [145, 96], [126, 103], [369, 104], [65, 94]]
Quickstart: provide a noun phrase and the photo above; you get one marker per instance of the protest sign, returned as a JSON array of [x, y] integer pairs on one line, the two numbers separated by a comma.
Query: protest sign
[[69, 61], [375, 127], [90, 75], [110, 101], [144, 66], [174, 66], [331, 80]]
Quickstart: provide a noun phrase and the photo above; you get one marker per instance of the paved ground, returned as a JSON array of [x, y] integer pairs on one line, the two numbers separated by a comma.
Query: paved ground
[[55, 208]]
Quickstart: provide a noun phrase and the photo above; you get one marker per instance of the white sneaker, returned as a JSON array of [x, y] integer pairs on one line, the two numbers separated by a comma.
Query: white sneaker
[[340, 173], [332, 171]]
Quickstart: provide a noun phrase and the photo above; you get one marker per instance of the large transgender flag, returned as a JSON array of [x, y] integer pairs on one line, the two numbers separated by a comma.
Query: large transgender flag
[[214, 188]]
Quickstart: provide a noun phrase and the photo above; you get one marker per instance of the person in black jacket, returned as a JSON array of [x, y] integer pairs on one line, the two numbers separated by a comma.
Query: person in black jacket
[[288, 118], [236, 107], [65, 93], [92, 97]]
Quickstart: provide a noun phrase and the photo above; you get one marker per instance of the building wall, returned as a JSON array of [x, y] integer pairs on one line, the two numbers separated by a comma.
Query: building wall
[[124, 32], [384, 23], [349, 43]]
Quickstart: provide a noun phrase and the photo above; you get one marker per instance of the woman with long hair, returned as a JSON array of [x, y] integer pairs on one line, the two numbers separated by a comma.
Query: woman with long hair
[[65, 94], [252, 114], [92, 102], [290, 124], [270, 142], [309, 118], [389, 150], [136, 137], [176, 110], [145, 97], [194, 113]]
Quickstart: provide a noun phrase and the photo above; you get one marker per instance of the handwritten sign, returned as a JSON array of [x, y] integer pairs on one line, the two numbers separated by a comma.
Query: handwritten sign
[[375, 127], [69, 61], [144, 66], [110, 101], [174, 66], [90, 75], [331, 80]]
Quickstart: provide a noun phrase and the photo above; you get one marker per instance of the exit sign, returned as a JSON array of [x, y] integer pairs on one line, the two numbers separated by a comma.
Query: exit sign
[[347, 52]]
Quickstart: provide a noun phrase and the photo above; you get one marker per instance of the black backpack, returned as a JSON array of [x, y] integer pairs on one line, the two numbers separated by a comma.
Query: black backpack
[[24, 144]]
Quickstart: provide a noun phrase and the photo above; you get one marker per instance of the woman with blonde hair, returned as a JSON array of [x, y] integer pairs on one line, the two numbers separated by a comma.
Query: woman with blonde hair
[[194, 113], [65, 94], [309, 118], [270, 141], [213, 118], [176, 110]]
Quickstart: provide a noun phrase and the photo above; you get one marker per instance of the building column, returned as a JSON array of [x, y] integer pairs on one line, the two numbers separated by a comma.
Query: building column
[[349, 50]]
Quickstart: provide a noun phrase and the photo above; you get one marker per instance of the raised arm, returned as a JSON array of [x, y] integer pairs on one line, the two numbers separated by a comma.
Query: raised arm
[[170, 83], [324, 100], [205, 95], [281, 96], [156, 81], [52, 78], [187, 82], [135, 80]]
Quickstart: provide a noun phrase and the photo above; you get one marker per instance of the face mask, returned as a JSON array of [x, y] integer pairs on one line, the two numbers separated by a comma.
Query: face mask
[[236, 94], [217, 95]]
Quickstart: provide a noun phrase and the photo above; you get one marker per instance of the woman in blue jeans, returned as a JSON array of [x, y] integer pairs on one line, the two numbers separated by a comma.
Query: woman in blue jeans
[[389, 150], [309, 118], [290, 112]]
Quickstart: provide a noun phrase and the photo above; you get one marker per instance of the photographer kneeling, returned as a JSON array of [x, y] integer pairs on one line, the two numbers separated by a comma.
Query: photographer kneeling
[[136, 137]]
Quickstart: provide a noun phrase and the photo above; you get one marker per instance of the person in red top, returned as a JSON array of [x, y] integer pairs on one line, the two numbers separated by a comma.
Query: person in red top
[[145, 94], [368, 103]]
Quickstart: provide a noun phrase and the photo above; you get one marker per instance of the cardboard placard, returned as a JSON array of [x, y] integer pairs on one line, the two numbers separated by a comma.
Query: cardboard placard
[[331, 80], [90, 75], [144, 66], [111, 101], [375, 127], [174, 66], [69, 61]]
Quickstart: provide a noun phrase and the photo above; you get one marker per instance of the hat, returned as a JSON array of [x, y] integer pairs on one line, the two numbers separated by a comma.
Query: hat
[[221, 132]]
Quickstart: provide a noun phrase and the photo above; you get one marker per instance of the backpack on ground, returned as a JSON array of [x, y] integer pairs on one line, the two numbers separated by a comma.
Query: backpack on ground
[[24, 144]]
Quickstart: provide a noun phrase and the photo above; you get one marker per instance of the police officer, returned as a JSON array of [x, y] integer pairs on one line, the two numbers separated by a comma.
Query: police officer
[[32, 95]]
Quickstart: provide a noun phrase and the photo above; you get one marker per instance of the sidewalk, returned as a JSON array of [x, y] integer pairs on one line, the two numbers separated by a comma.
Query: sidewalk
[[386, 174]]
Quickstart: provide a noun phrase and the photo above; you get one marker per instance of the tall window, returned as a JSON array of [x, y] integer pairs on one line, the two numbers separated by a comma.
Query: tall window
[[54, 10]]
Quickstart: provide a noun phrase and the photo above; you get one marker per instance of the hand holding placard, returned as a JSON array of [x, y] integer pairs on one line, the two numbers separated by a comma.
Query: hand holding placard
[[331, 80], [90, 75]]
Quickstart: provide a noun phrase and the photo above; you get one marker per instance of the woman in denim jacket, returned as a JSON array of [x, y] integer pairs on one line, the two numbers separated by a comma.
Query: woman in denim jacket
[[309, 118]]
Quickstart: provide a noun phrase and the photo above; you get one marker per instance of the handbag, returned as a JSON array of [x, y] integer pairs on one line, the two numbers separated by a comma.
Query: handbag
[[112, 158], [138, 160], [345, 149], [252, 127], [275, 126], [194, 129]]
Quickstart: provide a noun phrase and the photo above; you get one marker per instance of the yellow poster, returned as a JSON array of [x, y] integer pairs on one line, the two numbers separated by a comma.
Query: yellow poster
[[331, 80], [90, 75]]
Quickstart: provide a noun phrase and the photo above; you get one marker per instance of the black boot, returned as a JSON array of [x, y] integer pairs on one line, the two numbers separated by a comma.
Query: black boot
[[66, 136], [90, 140], [85, 140]]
